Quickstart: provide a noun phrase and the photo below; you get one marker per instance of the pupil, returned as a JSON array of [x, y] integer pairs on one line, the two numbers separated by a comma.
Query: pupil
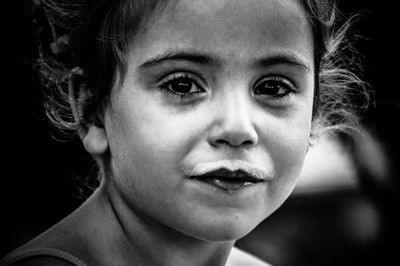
[[269, 88], [273, 89], [182, 86]]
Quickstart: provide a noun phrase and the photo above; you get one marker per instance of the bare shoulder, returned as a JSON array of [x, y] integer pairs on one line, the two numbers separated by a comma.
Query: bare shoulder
[[42, 261], [239, 257], [58, 246]]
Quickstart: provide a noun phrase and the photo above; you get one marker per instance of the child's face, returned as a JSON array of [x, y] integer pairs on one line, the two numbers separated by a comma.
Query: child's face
[[207, 81]]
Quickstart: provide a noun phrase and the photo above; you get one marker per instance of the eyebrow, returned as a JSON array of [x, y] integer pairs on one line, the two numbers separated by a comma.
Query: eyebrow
[[194, 57], [282, 59], [211, 60]]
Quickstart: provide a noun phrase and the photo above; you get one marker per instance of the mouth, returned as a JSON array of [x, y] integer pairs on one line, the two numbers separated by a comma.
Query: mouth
[[228, 180], [229, 175]]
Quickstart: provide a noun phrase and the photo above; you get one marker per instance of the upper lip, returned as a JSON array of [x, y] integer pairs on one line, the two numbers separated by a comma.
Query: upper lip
[[229, 169]]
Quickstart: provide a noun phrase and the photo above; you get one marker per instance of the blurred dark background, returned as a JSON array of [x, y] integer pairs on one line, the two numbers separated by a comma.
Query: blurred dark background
[[349, 225]]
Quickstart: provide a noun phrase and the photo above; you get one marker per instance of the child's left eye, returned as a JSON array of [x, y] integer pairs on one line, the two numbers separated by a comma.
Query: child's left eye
[[274, 87], [182, 85]]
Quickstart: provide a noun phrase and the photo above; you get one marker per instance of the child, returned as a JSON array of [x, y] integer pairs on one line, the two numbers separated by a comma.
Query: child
[[199, 115]]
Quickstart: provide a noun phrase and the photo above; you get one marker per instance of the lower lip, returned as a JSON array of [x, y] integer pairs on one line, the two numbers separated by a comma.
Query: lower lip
[[228, 186]]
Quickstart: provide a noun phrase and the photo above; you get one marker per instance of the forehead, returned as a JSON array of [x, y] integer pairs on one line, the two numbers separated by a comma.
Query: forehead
[[228, 27]]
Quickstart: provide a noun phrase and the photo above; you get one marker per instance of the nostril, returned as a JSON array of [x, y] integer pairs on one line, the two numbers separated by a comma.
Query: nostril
[[234, 144], [247, 143], [234, 135], [222, 141]]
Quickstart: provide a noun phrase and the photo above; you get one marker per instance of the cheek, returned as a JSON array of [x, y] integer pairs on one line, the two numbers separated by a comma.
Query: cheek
[[291, 155], [149, 136], [287, 143], [161, 138]]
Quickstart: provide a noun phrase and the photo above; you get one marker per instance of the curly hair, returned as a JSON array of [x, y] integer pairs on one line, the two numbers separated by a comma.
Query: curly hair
[[94, 34], [341, 96]]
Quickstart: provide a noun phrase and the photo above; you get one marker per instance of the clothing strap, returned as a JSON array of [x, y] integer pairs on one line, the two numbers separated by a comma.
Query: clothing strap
[[52, 252]]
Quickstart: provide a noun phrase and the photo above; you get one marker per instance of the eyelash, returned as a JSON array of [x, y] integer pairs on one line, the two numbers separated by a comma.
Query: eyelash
[[181, 78], [283, 83]]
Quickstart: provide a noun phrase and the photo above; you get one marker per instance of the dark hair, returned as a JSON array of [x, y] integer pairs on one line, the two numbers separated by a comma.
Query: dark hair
[[341, 96], [93, 35]]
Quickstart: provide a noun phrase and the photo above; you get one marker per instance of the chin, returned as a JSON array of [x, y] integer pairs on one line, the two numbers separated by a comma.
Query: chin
[[225, 229]]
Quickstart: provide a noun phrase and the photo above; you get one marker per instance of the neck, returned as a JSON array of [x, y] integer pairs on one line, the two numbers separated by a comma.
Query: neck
[[141, 240]]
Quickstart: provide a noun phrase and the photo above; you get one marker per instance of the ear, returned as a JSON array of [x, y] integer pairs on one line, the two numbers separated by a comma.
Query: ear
[[93, 136], [95, 141]]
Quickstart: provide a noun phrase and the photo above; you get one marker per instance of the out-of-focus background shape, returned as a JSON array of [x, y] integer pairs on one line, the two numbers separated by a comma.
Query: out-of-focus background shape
[[343, 211]]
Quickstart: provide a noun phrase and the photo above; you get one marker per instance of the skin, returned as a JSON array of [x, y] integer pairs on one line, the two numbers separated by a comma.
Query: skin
[[224, 50]]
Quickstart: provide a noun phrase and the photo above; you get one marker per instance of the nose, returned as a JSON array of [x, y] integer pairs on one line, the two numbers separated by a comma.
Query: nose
[[233, 124]]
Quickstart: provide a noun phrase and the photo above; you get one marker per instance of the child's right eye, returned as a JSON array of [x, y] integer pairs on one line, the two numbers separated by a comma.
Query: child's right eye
[[182, 85]]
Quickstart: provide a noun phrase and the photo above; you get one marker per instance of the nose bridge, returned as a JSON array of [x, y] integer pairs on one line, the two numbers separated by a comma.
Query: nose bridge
[[235, 110], [234, 124]]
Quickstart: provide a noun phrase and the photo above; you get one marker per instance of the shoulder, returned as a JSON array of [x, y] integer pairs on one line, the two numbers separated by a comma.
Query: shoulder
[[42, 261], [41, 257], [239, 257]]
